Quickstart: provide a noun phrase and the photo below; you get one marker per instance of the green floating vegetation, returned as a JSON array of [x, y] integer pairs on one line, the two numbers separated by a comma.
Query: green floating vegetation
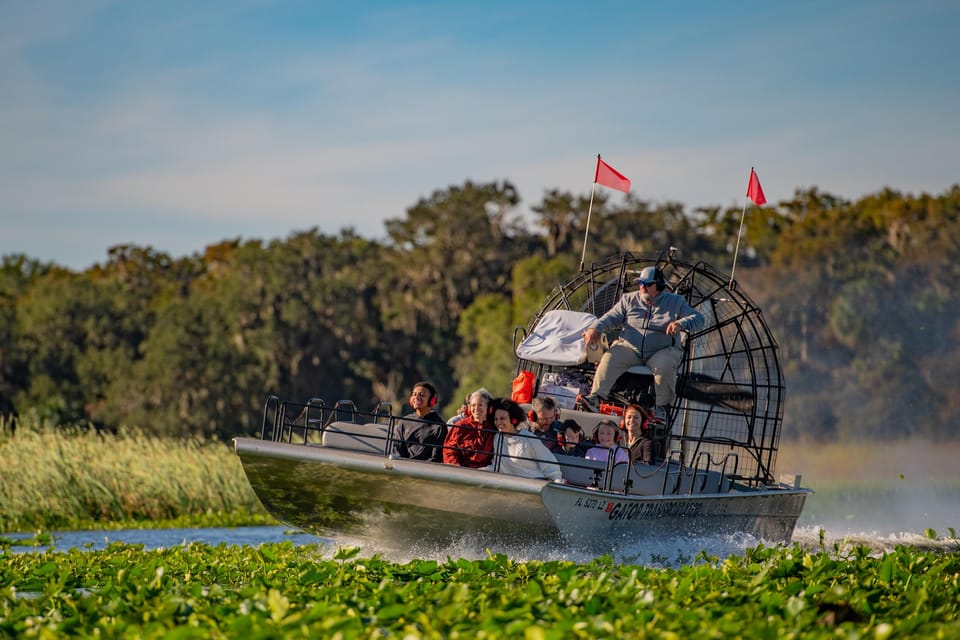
[[282, 590]]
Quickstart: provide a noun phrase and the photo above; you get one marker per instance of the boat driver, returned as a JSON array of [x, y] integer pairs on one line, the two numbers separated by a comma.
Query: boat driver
[[650, 321]]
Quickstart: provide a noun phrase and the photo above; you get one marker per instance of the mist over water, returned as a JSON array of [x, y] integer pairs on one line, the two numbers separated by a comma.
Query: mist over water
[[877, 488]]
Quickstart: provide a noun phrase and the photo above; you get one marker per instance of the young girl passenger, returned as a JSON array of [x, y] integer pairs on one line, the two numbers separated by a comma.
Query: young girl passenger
[[606, 442]]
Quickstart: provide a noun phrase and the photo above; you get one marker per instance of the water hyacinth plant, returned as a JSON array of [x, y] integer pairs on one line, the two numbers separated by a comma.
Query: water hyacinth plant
[[282, 590]]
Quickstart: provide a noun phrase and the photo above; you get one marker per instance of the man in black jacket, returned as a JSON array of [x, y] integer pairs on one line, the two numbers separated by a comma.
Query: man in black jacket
[[419, 435]]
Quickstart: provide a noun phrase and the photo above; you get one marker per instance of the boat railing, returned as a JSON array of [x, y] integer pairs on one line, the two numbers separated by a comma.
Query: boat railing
[[704, 476], [344, 426], [306, 423], [383, 413], [673, 476], [271, 416]]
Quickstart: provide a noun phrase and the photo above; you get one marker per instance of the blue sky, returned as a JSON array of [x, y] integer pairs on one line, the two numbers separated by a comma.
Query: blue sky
[[179, 124]]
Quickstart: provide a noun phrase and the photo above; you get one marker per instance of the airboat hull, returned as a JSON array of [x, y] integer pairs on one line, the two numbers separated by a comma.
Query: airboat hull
[[396, 503], [584, 517]]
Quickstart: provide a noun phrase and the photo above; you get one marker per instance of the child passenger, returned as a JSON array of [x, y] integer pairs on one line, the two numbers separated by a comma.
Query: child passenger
[[605, 437], [521, 452], [571, 441]]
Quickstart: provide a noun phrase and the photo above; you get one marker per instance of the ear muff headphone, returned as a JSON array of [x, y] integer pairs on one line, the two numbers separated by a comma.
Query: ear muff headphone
[[660, 280], [514, 421], [532, 415]]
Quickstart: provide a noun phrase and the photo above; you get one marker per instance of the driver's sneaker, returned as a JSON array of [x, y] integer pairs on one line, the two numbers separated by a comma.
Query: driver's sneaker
[[660, 413], [589, 403]]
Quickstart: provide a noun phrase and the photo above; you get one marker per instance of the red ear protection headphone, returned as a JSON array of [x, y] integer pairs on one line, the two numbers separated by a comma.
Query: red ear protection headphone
[[532, 415], [432, 390]]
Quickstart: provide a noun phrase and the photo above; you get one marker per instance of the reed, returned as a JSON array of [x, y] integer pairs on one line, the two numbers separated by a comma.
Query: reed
[[55, 477]]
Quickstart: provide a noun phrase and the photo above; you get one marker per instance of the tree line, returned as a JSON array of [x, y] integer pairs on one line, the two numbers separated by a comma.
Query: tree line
[[859, 294]]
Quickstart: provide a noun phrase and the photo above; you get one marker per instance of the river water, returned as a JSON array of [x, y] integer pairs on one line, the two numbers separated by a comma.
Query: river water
[[917, 518], [663, 552], [161, 538]]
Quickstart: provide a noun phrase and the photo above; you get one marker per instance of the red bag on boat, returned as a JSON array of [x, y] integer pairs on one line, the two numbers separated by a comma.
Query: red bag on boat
[[611, 409], [522, 387]]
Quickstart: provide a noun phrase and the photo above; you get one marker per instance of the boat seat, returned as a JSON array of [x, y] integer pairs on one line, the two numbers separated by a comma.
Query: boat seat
[[364, 438], [580, 471], [640, 370]]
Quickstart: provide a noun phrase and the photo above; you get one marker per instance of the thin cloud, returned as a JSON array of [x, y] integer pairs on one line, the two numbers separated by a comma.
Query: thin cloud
[[236, 128]]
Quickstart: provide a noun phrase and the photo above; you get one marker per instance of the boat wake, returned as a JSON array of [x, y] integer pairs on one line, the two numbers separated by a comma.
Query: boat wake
[[810, 538], [663, 552], [670, 552]]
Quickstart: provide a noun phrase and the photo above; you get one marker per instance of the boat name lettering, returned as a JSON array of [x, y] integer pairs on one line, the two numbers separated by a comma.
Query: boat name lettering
[[630, 511]]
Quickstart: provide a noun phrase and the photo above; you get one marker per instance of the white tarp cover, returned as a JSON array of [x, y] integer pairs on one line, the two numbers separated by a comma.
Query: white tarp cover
[[557, 339]]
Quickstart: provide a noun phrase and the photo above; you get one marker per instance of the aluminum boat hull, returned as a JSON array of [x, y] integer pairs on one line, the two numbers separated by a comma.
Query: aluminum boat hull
[[402, 503]]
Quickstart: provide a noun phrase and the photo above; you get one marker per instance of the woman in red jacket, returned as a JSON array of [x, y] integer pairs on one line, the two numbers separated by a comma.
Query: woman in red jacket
[[469, 442]]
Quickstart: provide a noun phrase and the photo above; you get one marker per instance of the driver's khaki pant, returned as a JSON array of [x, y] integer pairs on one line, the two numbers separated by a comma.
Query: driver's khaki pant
[[621, 356]]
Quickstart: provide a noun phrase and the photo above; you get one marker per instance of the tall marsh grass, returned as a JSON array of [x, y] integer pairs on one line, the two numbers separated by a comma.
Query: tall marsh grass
[[55, 477]]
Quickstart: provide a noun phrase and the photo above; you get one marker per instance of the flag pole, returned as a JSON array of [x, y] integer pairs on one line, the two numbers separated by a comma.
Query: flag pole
[[586, 232], [739, 232]]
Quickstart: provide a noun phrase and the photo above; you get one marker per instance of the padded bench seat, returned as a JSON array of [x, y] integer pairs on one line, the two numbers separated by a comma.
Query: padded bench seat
[[364, 438]]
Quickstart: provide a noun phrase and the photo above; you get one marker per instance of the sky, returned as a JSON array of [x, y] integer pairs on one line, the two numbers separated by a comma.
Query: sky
[[180, 124]]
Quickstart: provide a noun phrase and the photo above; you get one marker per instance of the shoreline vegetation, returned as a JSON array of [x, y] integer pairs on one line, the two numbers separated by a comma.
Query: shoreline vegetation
[[62, 478]]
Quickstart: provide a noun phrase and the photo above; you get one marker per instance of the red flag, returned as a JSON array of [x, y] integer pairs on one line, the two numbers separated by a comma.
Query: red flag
[[754, 190], [610, 177]]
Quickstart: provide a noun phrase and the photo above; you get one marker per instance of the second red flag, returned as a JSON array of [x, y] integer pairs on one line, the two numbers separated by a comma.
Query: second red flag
[[610, 177], [754, 190]]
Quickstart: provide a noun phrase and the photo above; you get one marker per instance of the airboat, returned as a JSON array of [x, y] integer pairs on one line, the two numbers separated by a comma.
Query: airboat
[[329, 468]]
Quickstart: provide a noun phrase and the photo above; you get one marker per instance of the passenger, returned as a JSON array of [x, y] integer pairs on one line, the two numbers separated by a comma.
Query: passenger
[[605, 437], [521, 452], [571, 442], [639, 437], [462, 413], [649, 320], [469, 442], [420, 435], [544, 420]]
